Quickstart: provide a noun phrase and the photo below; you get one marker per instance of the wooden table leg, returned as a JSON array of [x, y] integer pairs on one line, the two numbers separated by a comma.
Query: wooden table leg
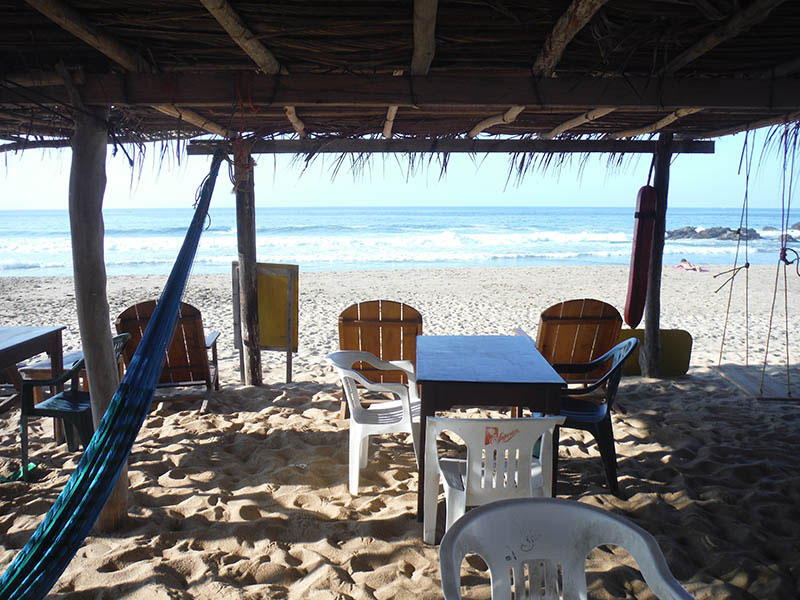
[[55, 350]]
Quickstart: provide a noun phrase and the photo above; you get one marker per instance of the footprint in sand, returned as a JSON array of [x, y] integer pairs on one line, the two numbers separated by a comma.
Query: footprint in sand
[[375, 506], [124, 559], [154, 423], [401, 475], [249, 512]]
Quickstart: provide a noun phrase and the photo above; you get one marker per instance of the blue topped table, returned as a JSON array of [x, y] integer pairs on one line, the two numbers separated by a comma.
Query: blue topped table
[[481, 371]]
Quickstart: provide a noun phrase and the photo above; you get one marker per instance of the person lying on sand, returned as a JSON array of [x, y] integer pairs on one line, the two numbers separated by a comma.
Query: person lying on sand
[[687, 266]]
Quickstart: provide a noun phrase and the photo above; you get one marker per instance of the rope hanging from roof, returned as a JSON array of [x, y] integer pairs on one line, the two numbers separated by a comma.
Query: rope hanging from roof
[[747, 159], [783, 259], [786, 257], [51, 547]]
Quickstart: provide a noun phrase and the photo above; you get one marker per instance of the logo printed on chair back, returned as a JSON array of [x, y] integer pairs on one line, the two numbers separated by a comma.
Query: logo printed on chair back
[[494, 436]]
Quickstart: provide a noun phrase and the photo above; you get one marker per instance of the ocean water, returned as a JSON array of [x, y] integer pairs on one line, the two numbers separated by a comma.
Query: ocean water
[[146, 241]]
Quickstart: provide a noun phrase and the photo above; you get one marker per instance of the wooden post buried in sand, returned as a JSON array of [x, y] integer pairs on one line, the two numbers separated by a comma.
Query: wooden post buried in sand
[[248, 283], [650, 353], [87, 184]]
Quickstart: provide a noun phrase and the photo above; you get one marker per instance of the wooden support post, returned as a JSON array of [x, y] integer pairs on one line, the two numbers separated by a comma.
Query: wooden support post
[[248, 282], [87, 183], [650, 355]]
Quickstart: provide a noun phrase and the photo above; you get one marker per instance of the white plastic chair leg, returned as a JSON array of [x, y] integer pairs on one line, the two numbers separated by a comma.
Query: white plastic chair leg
[[363, 451], [355, 460], [545, 453], [455, 505]]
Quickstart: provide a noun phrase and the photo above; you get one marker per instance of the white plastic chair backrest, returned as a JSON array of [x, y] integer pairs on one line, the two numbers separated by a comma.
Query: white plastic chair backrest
[[343, 362], [526, 541], [499, 453]]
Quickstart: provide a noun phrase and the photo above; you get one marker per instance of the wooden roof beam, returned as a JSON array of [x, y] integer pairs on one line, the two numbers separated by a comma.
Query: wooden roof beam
[[424, 35], [782, 120], [742, 21], [196, 119], [32, 144], [298, 125], [389, 122], [43, 78], [660, 124], [341, 145], [79, 26], [247, 40], [783, 69], [260, 54], [577, 122], [577, 15], [424, 49], [479, 92], [507, 117]]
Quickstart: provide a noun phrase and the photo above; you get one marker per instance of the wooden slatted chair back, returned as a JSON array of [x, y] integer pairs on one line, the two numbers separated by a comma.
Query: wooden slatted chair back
[[578, 331], [385, 328], [186, 360]]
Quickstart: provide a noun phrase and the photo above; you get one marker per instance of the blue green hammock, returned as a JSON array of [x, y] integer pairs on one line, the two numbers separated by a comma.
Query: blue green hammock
[[51, 547]]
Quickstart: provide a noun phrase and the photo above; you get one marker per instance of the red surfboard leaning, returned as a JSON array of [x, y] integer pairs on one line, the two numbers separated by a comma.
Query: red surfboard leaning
[[643, 228]]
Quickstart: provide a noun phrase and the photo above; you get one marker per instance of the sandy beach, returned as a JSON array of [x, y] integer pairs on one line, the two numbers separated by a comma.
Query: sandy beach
[[249, 500]]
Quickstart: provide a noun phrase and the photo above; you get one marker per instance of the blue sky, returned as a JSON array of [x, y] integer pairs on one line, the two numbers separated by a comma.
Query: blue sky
[[39, 179]]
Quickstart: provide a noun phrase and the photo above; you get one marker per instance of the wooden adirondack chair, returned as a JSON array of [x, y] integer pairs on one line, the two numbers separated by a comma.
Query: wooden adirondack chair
[[578, 331], [385, 328], [186, 362]]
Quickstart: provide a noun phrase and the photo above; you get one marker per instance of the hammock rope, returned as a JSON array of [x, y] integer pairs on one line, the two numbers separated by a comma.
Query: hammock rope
[[783, 260], [746, 158], [41, 562]]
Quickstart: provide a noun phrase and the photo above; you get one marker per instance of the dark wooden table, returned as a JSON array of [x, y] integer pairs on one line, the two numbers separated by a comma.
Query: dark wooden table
[[481, 371], [24, 342]]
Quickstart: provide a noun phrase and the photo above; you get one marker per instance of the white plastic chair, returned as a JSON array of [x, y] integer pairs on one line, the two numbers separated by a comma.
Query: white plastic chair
[[528, 542], [393, 416], [499, 464]]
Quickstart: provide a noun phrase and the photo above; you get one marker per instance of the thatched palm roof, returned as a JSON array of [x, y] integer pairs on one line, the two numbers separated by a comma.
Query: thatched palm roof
[[423, 69]]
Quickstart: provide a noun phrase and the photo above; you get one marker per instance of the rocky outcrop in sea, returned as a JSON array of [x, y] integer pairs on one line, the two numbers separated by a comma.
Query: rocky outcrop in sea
[[717, 233]]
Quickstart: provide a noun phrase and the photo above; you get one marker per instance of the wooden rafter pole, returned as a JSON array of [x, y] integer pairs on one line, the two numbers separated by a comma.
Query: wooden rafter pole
[[577, 122], [239, 32], [296, 122], [650, 353], [787, 118], [424, 35], [754, 13], [507, 117], [79, 26], [266, 61], [577, 15], [658, 125], [424, 49], [195, 118], [783, 69], [391, 113], [575, 18]]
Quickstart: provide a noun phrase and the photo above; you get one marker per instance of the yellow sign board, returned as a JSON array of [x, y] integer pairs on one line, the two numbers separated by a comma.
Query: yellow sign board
[[278, 301], [275, 300]]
